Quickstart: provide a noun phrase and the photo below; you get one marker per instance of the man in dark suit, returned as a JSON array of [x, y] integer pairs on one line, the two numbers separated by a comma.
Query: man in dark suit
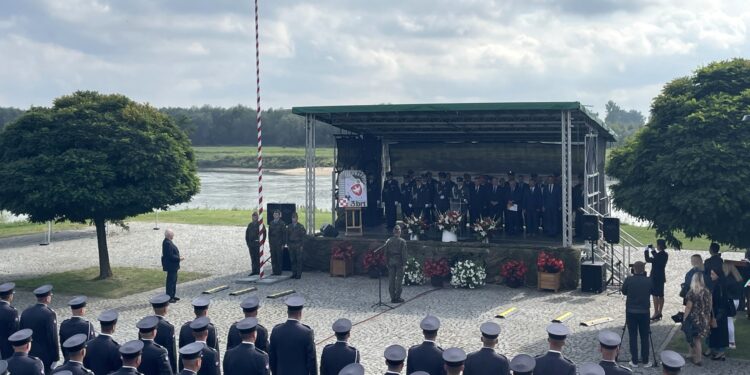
[[292, 347], [75, 347], [8, 319], [154, 359], [131, 353], [43, 322], [336, 356], [210, 364], [170, 263], [252, 239], [191, 358], [477, 200], [496, 199], [553, 362], [395, 355], [165, 329], [513, 207], [21, 363], [532, 205], [77, 323], [427, 356], [391, 195], [609, 346], [250, 306], [406, 185], [103, 352], [713, 263], [246, 358], [487, 361], [420, 200], [200, 308], [552, 199]]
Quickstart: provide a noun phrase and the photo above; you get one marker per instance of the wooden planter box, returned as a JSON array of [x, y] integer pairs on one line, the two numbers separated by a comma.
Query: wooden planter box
[[549, 281], [342, 267]]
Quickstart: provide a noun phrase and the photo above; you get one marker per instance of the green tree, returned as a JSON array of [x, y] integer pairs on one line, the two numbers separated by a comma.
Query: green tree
[[95, 158], [688, 169], [623, 123]]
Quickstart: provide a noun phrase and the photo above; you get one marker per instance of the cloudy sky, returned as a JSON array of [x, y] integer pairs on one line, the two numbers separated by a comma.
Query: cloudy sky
[[190, 52]]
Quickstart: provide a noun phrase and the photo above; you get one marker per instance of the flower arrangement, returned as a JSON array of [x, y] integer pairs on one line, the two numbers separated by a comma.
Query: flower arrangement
[[342, 250], [449, 221], [416, 225], [514, 272], [483, 227], [546, 262], [373, 259], [467, 274], [413, 274], [436, 267]]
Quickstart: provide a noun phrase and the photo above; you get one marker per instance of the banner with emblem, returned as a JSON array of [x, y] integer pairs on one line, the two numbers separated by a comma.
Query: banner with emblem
[[352, 189]]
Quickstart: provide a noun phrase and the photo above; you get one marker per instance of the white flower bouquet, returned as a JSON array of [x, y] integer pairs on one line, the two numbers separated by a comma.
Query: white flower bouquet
[[467, 274], [413, 274]]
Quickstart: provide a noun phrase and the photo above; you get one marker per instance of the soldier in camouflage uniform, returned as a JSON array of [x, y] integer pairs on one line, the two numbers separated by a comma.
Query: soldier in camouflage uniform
[[295, 239], [276, 240], [395, 255]]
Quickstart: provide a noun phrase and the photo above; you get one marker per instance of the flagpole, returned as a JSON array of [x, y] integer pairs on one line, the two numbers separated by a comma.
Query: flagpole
[[264, 256]]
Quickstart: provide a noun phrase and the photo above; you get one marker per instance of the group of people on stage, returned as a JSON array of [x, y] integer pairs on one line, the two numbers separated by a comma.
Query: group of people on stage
[[519, 206]]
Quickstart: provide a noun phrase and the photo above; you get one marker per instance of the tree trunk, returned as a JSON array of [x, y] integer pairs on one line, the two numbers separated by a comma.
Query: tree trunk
[[105, 271]]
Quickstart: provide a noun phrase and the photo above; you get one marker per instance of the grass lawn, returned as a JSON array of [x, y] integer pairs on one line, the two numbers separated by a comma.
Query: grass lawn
[[126, 281], [648, 236], [245, 156], [20, 228], [219, 217], [741, 334]]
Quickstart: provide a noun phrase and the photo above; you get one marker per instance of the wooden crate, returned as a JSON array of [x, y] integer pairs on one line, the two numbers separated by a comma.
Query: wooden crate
[[342, 267], [549, 281]]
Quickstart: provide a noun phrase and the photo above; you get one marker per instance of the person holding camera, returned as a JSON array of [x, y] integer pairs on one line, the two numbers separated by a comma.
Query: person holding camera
[[638, 288], [658, 259]]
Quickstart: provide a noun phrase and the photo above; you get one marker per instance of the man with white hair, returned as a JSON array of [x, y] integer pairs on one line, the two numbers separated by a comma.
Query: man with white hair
[[170, 263]]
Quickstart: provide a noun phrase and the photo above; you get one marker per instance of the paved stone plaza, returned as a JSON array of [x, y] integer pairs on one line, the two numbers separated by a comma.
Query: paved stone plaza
[[221, 252]]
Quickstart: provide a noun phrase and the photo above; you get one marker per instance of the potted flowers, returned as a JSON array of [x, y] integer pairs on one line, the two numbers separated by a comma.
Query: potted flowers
[[374, 263], [436, 270], [549, 268], [448, 222], [341, 259], [413, 274], [467, 274], [415, 226], [483, 227], [514, 273]]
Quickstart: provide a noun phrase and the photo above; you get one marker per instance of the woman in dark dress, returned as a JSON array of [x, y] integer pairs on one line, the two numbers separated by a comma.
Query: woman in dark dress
[[718, 340], [658, 259]]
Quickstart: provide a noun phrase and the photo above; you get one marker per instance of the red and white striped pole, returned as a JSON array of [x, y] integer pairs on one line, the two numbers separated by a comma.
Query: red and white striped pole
[[264, 251]]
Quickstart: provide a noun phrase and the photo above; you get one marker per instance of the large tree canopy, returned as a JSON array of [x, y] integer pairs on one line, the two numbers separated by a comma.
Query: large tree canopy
[[94, 157], [688, 169]]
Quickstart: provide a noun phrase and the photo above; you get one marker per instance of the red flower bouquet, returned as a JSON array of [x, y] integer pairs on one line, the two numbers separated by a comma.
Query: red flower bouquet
[[436, 267], [373, 260], [546, 262], [514, 272], [342, 250]]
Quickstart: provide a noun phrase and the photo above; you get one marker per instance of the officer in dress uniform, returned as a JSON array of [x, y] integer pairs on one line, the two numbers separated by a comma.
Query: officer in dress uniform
[[154, 360], [246, 358], [352, 369], [252, 239], [191, 358], [591, 369], [3, 367], [77, 323], [75, 346], [454, 359], [292, 347], [487, 361], [296, 234], [21, 363], [250, 306], [443, 193], [43, 322], [131, 353], [200, 308], [395, 355], [391, 196], [210, 364], [609, 345], [276, 240], [336, 356], [671, 362], [103, 352], [554, 363], [406, 209], [522, 364], [420, 200], [165, 329], [426, 356], [8, 319]]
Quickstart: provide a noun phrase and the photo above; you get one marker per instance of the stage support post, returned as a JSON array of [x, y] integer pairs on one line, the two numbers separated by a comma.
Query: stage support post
[[310, 174], [566, 177]]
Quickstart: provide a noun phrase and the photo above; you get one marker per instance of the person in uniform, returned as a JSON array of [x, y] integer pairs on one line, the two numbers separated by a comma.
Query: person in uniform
[[296, 234], [75, 346], [77, 323], [406, 209], [352, 369], [210, 364], [292, 347], [154, 360], [43, 322], [522, 364], [426, 356], [103, 352], [191, 358], [336, 356], [420, 200], [609, 346], [395, 257], [590, 369], [391, 196], [165, 329], [250, 306], [276, 241], [532, 206], [454, 359], [21, 363], [246, 358], [443, 193], [4, 367], [395, 355], [200, 308], [252, 239], [8, 319], [671, 362], [553, 362], [131, 353], [487, 361]]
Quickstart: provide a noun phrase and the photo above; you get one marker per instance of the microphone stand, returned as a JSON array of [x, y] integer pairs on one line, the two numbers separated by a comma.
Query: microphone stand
[[380, 302]]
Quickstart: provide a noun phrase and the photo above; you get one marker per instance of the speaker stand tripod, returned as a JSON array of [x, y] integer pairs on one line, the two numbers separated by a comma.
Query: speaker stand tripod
[[380, 302], [650, 340]]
